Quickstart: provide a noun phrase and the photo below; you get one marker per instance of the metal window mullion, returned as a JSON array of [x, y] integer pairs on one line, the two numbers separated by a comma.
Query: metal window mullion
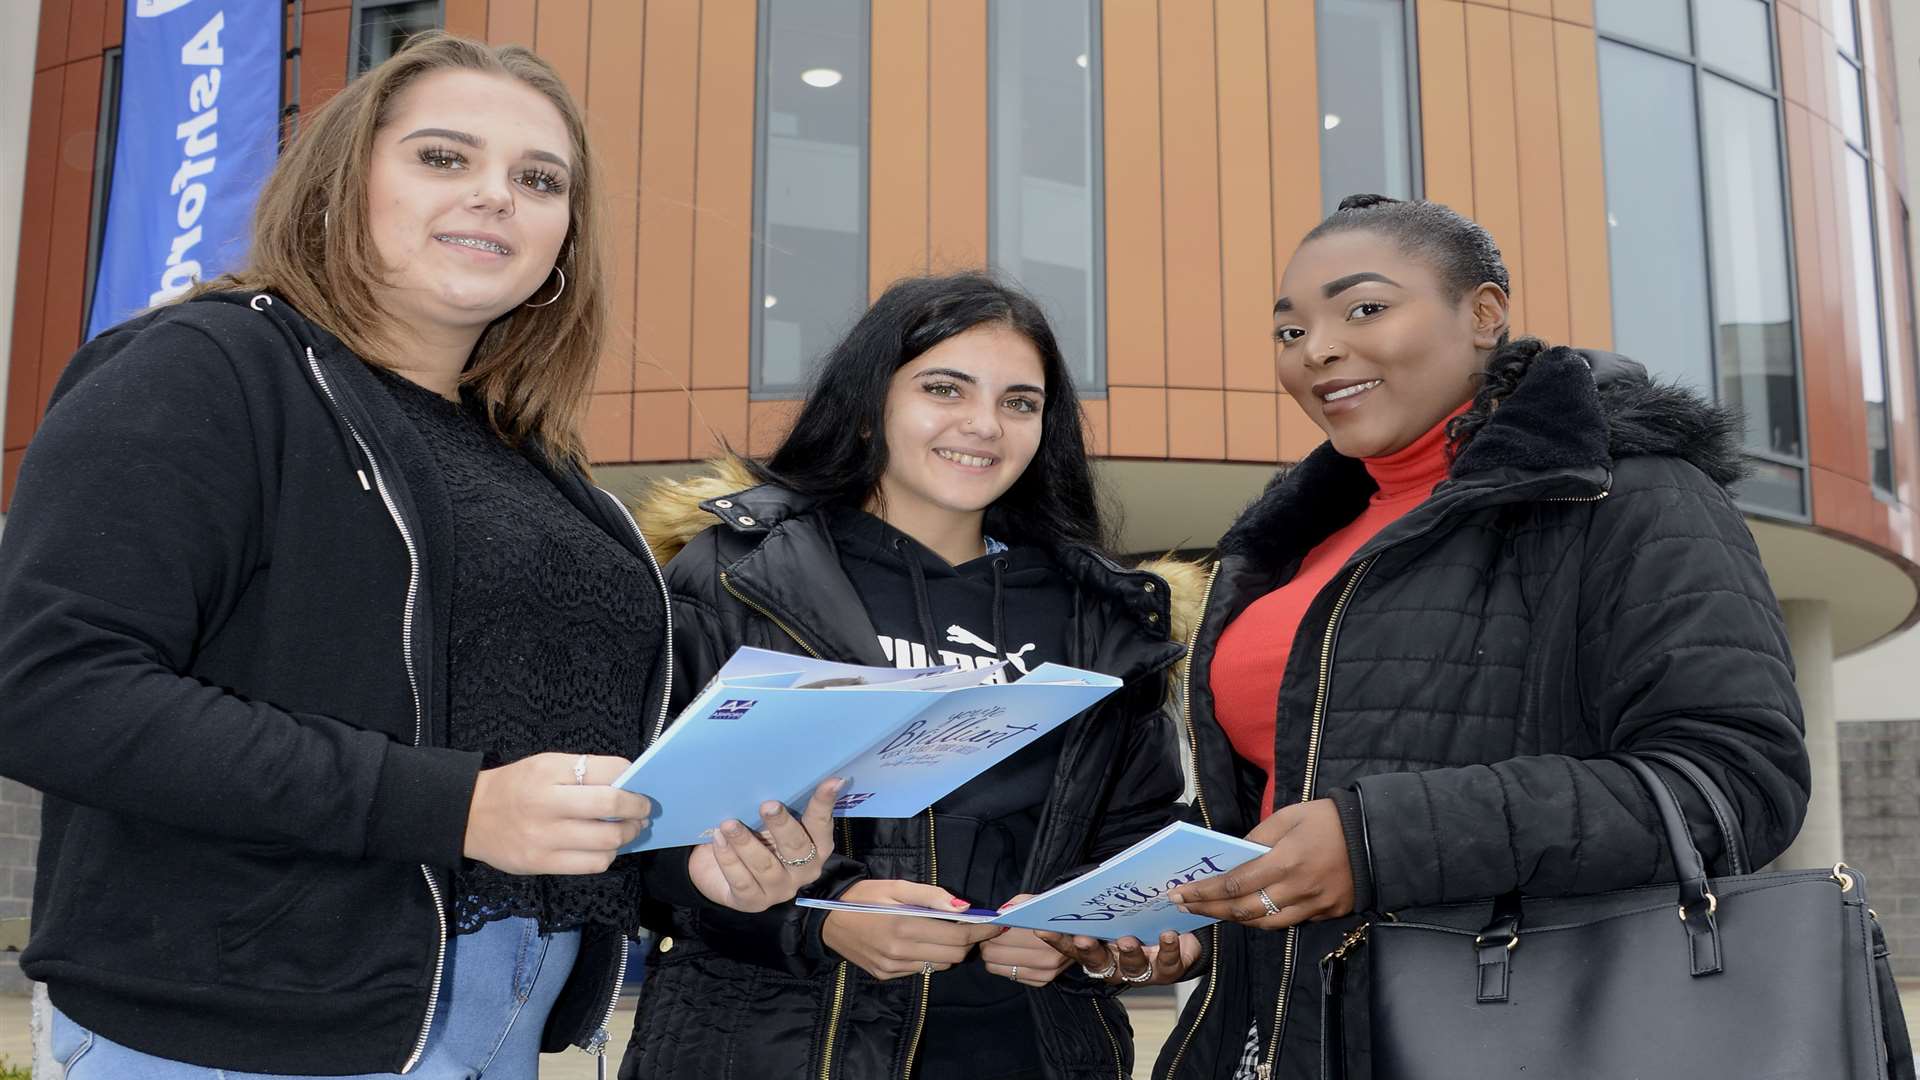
[[757, 306], [1416, 137], [1097, 195]]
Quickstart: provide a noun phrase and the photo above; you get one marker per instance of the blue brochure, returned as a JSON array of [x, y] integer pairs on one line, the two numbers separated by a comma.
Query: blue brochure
[[1122, 897], [774, 726]]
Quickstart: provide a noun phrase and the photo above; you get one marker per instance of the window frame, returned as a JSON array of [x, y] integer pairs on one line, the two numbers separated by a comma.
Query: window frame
[[1095, 388], [1701, 70], [355, 24], [1854, 61], [106, 143], [1416, 144], [757, 390]]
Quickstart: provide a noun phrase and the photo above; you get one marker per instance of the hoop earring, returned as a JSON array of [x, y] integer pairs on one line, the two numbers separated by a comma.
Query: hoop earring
[[556, 292]]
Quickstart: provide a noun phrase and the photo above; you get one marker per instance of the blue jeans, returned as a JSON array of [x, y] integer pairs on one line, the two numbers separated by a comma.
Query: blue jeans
[[499, 985]]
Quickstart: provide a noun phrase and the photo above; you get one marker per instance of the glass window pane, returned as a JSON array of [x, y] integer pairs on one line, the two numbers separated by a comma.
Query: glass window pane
[[1366, 137], [1656, 22], [1046, 177], [1844, 29], [1654, 223], [1853, 119], [811, 254], [1738, 38], [1866, 316], [384, 29], [1772, 486], [1752, 298]]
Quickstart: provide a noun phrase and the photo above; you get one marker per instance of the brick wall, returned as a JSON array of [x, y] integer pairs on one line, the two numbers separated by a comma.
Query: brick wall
[[19, 837], [1880, 801]]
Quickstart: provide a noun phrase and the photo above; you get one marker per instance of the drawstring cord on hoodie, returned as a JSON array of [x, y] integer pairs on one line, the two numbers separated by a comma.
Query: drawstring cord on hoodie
[[923, 605]]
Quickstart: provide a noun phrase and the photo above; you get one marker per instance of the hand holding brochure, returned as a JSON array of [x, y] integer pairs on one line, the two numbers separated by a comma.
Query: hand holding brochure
[[773, 726], [1122, 897]]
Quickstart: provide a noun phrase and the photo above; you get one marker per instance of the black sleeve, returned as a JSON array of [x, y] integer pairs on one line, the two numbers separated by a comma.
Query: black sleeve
[[137, 520], [785, 937], [1681, 647]]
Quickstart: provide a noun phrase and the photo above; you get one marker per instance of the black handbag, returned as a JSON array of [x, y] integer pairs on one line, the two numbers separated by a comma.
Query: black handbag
[[1750, 975]]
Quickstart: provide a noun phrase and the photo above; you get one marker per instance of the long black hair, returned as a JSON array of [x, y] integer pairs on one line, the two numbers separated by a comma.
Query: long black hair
[[837, 448], [1463, 254]]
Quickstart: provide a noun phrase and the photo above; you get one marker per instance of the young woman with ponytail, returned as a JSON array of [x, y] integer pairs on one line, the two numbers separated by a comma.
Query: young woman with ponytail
[[1508, 560]]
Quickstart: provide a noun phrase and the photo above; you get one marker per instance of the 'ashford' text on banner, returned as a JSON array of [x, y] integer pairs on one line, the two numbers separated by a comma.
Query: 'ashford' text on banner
[[199, 109]]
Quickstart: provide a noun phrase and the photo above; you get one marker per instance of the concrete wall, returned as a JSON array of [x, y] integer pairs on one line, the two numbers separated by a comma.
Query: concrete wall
[[1880, 777]]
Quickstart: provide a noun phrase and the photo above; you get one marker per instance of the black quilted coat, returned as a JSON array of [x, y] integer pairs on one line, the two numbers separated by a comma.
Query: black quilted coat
[[761, 996], [1580, 583]]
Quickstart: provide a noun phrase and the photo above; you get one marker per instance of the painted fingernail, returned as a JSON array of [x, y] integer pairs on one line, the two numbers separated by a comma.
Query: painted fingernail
[[957, 902]]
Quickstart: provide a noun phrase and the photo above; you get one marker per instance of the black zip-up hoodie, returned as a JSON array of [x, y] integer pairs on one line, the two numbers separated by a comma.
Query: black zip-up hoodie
[[223, 621]]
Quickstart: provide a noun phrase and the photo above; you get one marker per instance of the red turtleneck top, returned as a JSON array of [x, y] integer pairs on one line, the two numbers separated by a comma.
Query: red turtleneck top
[[1252, 655]]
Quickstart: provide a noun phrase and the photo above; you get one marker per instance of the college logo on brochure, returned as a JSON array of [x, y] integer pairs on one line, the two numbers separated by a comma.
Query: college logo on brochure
[[732, 708], [850, 800]]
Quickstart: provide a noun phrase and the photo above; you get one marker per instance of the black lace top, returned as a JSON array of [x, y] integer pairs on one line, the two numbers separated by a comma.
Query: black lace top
[[557, 629]]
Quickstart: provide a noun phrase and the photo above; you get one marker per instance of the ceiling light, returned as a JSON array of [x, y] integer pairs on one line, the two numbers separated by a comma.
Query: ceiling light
[[820, 77], [1330, 121], [770, 300], [1081, 59]]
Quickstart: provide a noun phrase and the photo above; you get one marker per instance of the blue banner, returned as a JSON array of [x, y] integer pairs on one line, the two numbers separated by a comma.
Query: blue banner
[[199, 130]]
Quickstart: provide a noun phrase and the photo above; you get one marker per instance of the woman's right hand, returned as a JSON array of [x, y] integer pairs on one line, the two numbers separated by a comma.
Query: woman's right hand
[[1169, 961], [536, 816], [890, 946]]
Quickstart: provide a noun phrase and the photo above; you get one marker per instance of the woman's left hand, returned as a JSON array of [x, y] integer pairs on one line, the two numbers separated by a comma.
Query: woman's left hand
[[1305, 877], [749, 871], [1020, 955]]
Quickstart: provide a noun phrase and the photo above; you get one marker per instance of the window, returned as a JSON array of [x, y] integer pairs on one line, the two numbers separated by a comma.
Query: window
[[1046, 178], [810, 192], [380, 27], [1863, 242], [1703, 289], [106, 138], [1368, 137]]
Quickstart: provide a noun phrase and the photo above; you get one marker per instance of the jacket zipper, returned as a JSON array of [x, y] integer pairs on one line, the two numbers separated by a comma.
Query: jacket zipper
[[1112, 1043], [1200, 800], [413, 683], [926, 977], [846, 846], [1265, 1069]]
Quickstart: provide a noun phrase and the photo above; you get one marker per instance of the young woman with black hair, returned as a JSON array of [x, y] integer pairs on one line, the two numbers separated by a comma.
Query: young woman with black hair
[[932, 504], [1508, 560]]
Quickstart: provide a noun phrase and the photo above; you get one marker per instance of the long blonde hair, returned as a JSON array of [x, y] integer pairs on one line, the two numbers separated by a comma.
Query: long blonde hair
[[534, 366]]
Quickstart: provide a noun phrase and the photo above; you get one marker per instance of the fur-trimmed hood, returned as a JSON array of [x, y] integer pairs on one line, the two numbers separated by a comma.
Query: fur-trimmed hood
[[673, 512], [1572, 411]]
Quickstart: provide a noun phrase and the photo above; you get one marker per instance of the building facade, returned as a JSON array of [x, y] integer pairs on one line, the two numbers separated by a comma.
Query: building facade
[[1716, 187]]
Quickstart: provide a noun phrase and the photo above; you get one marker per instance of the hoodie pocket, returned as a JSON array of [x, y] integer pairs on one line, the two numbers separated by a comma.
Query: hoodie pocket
[[325, 926]]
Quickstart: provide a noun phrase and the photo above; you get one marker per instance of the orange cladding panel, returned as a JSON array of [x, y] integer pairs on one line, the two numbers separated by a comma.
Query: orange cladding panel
[[560, 37], [72, 205], [1246, 206], [1496, 166], [663, 306], [617, 37], [1583, 176], [36, 242], [1543, 226], [723, 225], [957, 135], [1293, 105], [1190, 169], [1136, 267], [897, 144], [1446, 132]]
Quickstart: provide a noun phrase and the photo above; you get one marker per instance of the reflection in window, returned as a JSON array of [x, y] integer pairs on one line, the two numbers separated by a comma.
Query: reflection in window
[[1367, 132], [1737, 38], [1655, 22], [1753, 301], [1701, 281], [1655, 225], [1866, 317], [1046, 176], [810, 204], [381, 27]]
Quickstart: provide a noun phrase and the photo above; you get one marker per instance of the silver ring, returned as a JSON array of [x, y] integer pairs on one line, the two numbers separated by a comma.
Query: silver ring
[[1144, 976], [812, 851], [1113, 965], [1014, 973], [580, 769], [1267, 902]]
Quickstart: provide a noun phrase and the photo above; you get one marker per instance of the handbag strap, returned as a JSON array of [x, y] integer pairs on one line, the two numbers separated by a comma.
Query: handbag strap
[[1697, 902], [1733, 842]]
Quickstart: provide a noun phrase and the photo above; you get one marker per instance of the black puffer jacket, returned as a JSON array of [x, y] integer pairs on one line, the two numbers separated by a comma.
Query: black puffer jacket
[[1581, 583], [761, 995]]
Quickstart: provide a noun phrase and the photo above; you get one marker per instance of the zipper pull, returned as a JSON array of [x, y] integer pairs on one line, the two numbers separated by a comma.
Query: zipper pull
[[362, 474], [1263, 1071]]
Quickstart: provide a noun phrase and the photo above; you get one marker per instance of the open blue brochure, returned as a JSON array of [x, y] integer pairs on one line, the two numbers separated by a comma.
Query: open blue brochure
[[1124, 896], [773, 725]]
